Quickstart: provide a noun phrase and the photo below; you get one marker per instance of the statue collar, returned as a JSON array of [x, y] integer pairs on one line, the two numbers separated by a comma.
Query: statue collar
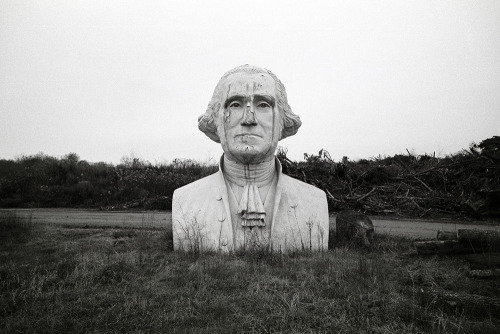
[[241, 174]]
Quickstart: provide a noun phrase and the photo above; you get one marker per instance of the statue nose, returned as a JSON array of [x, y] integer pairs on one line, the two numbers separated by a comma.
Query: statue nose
[[249, 116]]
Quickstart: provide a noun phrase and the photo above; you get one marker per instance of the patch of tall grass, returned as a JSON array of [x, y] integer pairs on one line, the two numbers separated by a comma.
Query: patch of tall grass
[[96, 280], [14, 228]]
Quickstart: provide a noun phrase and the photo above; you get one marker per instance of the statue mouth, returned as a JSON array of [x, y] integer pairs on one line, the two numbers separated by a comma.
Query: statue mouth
[[248, 135]]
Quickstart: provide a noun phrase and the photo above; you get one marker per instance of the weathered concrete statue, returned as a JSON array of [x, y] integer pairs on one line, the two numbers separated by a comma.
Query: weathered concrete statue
[[249, 203]]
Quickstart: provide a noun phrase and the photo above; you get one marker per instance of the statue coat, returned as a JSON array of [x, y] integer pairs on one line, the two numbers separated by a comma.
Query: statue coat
[[201, 217]]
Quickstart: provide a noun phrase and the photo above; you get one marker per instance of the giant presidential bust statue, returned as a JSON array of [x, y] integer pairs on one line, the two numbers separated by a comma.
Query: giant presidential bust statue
[[249, 203]]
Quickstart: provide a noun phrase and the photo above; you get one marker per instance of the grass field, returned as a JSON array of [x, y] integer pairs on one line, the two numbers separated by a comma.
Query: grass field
[[63, 279]]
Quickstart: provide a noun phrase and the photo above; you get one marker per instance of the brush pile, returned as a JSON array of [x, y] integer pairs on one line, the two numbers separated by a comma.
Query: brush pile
[[466, 183]]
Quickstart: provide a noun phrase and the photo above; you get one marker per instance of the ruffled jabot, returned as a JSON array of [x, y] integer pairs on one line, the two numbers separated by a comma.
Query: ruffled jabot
[[251, 177]]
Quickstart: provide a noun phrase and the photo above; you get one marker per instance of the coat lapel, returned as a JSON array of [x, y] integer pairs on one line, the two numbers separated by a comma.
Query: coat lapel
[[226, 229], [277, 199]]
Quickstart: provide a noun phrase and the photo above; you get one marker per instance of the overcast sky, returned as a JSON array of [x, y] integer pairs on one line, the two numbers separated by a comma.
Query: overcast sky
[[107, 79]]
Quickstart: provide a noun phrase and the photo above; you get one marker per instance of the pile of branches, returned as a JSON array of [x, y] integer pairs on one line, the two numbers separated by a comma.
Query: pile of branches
[[466, 183]]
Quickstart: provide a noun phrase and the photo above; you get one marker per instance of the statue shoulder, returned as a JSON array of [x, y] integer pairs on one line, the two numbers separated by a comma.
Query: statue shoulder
[[200, 186], [308, 202]]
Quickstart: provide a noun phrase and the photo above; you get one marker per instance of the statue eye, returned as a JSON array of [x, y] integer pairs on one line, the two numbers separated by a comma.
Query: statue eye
[[235, 105], [264, 105]]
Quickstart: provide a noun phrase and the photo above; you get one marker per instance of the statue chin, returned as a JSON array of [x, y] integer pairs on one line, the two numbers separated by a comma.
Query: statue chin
[[247, 154]]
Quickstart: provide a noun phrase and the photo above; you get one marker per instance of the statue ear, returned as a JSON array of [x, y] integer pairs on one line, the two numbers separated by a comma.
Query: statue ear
[[210, 129], [207, 123], [291, 124]]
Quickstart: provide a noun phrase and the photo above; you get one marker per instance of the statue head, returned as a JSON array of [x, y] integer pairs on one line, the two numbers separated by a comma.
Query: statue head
[[249, 114]]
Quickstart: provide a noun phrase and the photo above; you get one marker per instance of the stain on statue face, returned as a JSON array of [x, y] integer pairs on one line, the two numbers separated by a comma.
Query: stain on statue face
[[250, 118]]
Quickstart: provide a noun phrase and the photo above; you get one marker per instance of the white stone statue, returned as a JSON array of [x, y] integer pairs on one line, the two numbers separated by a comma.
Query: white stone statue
[[249, 203]]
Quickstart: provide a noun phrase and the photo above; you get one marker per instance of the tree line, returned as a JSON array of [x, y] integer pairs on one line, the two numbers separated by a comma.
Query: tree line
[[464, 183]]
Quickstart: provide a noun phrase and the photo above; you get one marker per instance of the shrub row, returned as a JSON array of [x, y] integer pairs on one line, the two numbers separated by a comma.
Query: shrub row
[[467, 182], [44, 181]]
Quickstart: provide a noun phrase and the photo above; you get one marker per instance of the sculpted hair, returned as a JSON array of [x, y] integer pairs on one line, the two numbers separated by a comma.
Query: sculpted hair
[[207, 122]]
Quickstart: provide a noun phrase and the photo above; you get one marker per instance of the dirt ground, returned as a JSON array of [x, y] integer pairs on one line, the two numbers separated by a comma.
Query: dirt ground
[[413, 228]]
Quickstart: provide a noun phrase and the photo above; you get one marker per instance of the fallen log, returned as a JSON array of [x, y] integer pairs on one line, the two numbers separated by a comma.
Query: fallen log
[[484, 273], [446, 235], [462, 300], [481, 241], [442, 247], [479, 235], [483, 260]]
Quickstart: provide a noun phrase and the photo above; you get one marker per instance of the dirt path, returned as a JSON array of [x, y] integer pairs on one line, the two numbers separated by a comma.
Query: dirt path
[[424, 229], [96, 218], [411, 228]]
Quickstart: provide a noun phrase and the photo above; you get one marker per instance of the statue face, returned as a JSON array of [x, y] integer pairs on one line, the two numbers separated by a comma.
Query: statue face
[[250, 118]]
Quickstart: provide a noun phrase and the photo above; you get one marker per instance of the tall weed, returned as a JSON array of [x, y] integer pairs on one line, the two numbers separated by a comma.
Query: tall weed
[[14, 228]]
